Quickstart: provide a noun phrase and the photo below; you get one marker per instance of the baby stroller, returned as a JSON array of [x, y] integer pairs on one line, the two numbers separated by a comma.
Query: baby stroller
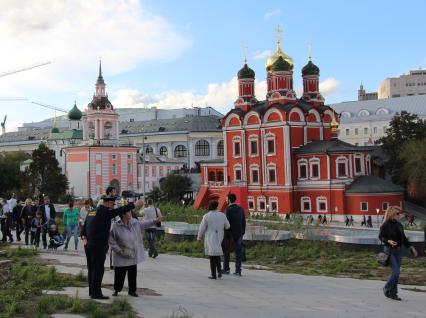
[[55, 239]]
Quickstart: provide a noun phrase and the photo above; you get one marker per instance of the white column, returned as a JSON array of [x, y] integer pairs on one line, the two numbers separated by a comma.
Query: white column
[[287, 155]]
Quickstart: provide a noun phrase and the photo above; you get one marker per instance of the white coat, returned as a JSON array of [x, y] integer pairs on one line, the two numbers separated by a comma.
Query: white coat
[[212, 228]]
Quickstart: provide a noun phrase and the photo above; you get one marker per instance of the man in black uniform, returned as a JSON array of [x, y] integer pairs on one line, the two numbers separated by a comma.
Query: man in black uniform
[[95, 235]]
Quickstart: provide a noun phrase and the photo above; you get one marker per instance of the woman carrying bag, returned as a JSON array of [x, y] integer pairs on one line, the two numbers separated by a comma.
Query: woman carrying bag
[[127, 250], [393, 236], [212, 229]]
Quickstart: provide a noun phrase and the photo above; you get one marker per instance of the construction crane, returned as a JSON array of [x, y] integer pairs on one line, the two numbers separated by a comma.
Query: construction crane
[[51, 107], [25, 68], [3, 125]]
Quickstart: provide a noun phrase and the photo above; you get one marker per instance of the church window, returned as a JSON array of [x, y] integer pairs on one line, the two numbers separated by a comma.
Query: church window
[[180, 151], [254, 174], [114, 169], [303, 169], [149, 150], [305, 204], [364, 206], [202, 148], [237, 149], [358, 168], [163, 151], [322, 204], [220, 149]]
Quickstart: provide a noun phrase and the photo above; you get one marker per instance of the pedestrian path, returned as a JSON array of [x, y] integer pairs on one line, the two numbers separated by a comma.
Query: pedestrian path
[[179, 281]]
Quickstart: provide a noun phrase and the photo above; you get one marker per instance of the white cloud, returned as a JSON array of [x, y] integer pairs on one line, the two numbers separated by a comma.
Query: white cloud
[[272, 13], [329, 86], [262, 54], [218, 95], [74, 34]]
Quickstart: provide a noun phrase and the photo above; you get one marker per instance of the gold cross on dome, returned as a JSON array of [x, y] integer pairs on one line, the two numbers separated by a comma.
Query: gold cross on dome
[[245, 47], [279, 30], [310, 50]]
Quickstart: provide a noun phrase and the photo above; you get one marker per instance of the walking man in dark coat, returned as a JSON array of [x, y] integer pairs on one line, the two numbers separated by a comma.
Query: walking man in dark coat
[[237, 220], [95, 236], [48, 213]]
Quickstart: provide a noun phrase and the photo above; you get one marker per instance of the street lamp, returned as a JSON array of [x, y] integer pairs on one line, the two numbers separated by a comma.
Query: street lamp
[[336, 209], [143, 163], [377, 212]]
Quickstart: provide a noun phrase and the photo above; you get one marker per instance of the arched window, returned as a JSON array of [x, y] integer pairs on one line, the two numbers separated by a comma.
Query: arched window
[[180, 151], [107, 130], [220, 149], [163, 151], [202, 148], [149, 150]]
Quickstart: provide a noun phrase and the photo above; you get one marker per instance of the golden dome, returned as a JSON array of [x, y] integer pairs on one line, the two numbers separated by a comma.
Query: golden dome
[[271, 60], [279, 52]]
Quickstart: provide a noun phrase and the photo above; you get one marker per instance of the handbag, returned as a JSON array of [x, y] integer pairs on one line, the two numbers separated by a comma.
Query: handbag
[[383, 259], [156, 214]]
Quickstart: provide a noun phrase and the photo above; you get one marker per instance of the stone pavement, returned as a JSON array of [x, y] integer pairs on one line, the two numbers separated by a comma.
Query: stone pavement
[[182, 281]]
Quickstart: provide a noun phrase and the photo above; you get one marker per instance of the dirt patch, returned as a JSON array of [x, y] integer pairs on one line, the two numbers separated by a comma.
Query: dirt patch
[[140, 291]]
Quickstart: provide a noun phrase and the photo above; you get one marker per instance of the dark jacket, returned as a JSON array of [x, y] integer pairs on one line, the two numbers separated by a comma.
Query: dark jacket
[[98, 224], [393, 230], [237, 220], [52, 212], [27, 213]]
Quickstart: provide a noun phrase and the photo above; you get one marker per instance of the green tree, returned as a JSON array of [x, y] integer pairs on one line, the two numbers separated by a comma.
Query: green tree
[[12, 178], [155, 194], [174, 186], [413, 156], [403, 128], [45, 174]]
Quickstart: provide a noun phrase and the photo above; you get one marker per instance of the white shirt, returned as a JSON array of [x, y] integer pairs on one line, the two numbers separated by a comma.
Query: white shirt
[[6, 208], [150, 214], [47, 209], [12, 203]]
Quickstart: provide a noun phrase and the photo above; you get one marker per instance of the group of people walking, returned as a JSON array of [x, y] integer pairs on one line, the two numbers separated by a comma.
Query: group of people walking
[[223, 232], [30, 217]]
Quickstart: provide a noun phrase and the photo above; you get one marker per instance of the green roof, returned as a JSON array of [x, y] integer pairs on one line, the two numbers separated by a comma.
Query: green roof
[[245, 72], [373, 184], [310, 69], [68, 134], [75, 113], [280, 65]]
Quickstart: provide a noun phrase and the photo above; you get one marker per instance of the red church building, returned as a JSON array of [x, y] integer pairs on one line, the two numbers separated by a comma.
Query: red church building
[[282, 155]]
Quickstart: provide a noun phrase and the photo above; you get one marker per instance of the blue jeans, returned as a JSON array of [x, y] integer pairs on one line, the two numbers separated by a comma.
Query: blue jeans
[[70, 229], [395, 257], [238, 255]]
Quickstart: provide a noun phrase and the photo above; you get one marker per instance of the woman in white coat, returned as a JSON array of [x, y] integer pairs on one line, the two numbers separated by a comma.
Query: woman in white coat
[[212, 229]]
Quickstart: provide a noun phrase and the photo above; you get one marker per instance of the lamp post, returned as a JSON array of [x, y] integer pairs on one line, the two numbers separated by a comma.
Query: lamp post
[[143, 163], [377, 212]]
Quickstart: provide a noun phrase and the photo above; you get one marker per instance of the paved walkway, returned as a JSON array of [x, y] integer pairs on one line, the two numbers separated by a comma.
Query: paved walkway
[[182, 281]]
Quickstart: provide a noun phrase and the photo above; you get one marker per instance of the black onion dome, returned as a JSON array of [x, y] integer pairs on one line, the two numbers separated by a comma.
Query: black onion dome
[[280, 65], [310, 69], [245, 72]]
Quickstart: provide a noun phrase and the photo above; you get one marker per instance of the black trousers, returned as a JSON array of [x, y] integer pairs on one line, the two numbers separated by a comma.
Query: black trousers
[[44, 237], [214, 265], [19, 228], [35, 238], [120, 275], [96, 256], [27, 229], [151, 236]]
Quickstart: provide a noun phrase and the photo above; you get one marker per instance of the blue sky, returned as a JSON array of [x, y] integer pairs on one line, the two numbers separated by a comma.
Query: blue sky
[[183, 53]]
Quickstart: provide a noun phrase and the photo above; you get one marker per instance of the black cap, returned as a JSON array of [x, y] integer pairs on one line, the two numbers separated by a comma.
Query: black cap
[[108, 198]]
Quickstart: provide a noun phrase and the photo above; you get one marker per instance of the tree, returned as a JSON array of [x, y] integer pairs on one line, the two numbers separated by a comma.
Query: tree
[[175, 186], [45, 174], [403, 128], [155, 195], [12, 177], [413, 155]]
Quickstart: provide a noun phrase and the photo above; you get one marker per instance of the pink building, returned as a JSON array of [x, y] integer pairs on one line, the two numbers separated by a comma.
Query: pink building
[[99, 161]]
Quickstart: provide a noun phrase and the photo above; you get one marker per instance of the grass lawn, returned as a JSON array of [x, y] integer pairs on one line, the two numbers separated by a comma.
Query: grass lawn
[[313, 258], [24, 278]]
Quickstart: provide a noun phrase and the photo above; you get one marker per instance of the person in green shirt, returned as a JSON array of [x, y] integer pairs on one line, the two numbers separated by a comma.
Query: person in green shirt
[[71, 217]]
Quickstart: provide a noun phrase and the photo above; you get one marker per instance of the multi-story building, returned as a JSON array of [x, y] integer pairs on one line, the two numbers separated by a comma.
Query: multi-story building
[[364, 122], [362, 95], [153, 169], [282, 154], [413, 83]]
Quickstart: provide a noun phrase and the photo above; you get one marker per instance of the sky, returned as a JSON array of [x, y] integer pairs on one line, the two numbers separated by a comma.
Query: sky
[[187, 53]]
